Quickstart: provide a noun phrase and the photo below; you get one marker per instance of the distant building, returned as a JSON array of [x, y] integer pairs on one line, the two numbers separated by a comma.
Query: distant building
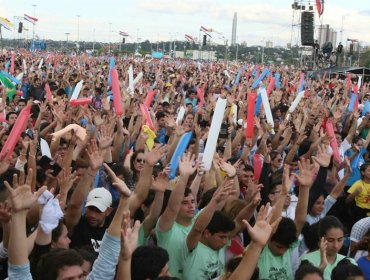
[[323, 34], [332, 37], [196, 54], [233, 34], [269, 45], [289, 46], [327, 34]]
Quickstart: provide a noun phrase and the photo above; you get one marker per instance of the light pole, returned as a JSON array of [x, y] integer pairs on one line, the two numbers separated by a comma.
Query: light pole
[[78, 28], [226, 50], [110, 27], [33, 26]]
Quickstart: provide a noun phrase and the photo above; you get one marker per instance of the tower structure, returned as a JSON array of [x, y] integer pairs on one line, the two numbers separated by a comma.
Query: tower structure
[[233, 34]]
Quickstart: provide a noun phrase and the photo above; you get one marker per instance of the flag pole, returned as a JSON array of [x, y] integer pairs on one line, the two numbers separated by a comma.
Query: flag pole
[[33, 27]]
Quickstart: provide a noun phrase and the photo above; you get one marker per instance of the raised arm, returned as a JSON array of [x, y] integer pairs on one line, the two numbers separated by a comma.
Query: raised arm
[[105, 265], [286, 185], [352, 130], [338, 189], [74, 209], [206, 215], [305, 179], [145, 181], [22, 200], [197, 180], [129, 237], [159, 185], [260, 234], [168, 217]]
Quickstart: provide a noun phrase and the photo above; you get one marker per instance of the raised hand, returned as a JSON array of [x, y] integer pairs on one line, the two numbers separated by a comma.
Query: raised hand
[[197, 131], [186, 165], [129, 237], [306, 173], [105, 136], [155, 154], [170, 121], [98, 121], [322, 157], [94, 155], [261, 231], [160, 183], [5, 212], [21, 196], [228, 168], [253, 194], [224, 191], [66, 179], [117, 182], [105, 104], [324, 261], [43, 108]]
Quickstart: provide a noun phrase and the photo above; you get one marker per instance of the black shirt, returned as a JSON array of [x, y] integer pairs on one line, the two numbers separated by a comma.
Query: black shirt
[[86, 235]]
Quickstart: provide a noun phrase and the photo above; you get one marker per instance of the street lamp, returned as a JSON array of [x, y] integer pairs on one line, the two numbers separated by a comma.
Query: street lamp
[[33, 25]]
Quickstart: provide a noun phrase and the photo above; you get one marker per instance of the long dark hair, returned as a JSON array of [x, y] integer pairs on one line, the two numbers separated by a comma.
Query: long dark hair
[[133, 158]]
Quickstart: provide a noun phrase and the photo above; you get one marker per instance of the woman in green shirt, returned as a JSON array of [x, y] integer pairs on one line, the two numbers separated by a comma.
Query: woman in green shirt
[[331, 233]]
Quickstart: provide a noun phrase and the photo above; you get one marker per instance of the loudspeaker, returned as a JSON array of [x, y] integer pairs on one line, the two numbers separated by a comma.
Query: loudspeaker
[[307, 29], [204, 40], [20, 27], [123, 40], [351, 49]]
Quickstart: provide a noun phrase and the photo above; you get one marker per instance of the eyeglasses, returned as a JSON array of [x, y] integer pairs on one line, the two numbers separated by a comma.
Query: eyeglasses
[[140, 160]]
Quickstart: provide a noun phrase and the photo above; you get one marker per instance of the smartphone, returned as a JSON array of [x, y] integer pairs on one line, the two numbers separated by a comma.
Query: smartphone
[[47, 163]]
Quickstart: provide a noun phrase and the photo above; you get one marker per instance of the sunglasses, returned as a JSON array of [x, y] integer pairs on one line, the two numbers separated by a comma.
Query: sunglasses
[[140, 160]]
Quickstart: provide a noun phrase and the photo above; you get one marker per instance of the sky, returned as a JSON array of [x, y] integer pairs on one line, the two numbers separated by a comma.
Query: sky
[[163, 20]]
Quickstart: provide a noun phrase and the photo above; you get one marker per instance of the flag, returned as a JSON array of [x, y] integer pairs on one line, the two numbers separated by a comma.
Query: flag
[[124, 34], [30, 19], [202, 28], [205, 31], [320, 7], [189, 38], [6, 23]]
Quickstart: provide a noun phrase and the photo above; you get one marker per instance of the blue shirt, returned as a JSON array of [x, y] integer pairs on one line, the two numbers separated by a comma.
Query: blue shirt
[[104, 267], [364, 264], [355, 165], [162, 135]]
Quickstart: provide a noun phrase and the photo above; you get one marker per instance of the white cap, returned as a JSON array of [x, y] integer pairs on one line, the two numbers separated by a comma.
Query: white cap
[[100, 198]]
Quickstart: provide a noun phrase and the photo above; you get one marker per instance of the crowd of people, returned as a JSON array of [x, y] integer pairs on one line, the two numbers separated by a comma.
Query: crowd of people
[[85, 192]]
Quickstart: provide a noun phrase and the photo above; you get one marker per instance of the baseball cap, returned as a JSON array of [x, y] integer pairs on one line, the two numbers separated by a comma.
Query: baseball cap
[[100, 198]]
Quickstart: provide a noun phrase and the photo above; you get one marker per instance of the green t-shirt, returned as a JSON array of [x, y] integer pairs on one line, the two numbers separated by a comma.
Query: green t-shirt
[[172, 241], [315, 259], [142, 240], [273, 267], [203, 263]]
